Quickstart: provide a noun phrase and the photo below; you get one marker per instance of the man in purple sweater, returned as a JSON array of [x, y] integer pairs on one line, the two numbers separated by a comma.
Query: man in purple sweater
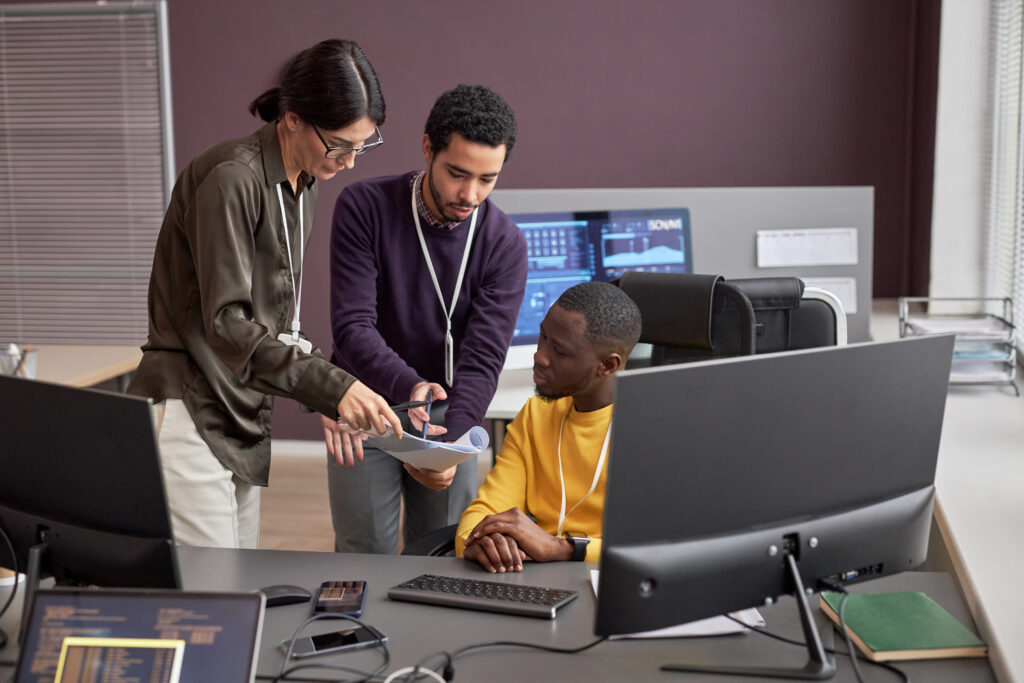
[[427, 276]]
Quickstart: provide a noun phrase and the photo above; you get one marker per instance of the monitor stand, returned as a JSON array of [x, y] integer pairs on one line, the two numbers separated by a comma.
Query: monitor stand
[[818, 666], [36, 556]]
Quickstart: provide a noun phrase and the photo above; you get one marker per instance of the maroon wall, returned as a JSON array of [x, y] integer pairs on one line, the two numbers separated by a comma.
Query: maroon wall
[[646, 93]]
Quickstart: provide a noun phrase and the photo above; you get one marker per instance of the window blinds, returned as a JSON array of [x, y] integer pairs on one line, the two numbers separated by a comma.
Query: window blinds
[[85, 169], [1004, 239]]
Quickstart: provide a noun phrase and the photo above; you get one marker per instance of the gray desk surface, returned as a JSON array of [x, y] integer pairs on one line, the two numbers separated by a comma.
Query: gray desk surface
[[418, 630]]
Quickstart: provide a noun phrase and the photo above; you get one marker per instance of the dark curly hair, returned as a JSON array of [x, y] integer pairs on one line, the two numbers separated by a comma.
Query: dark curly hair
[[475, 112], [330, 85], [613, 320]]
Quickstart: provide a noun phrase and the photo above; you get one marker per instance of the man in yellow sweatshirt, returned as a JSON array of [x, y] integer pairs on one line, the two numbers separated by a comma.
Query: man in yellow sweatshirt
[[552, 464]]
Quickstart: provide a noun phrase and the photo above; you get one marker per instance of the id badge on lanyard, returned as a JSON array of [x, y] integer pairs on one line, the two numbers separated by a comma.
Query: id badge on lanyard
[[449, 358], [449, 340], [292, 338]]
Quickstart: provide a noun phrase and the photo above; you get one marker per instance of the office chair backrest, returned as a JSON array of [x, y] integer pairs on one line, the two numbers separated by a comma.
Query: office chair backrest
[[688, 318], [435, 543], [829, 307], [790, 316]]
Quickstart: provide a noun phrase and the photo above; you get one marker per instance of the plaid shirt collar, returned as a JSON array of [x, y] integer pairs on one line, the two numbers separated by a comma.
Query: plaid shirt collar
[[421, 206]]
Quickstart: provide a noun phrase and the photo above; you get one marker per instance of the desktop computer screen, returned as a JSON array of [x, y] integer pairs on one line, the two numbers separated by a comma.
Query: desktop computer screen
[[567, 248], [732, 482]]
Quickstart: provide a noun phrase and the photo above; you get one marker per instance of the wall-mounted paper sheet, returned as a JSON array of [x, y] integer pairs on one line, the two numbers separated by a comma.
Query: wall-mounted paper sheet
[[843, 287], [807, 247]]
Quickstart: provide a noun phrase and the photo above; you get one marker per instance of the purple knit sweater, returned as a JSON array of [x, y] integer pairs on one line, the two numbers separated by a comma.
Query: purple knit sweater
[[387, 322]]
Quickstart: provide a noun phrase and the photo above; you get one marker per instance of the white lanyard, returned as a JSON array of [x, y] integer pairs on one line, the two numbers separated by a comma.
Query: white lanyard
[[449, 340], [296, 293], [562, 514]]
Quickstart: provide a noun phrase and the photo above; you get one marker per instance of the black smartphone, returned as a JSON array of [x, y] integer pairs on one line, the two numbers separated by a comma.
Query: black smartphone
[[355, 638], [340, 597]]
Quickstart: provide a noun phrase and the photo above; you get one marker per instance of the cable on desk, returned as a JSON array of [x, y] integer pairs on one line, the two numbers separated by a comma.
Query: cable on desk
[[364, 676], [290, 678], [851, 653], [846, 637], [286, 671], [418, 670], [448, 671]]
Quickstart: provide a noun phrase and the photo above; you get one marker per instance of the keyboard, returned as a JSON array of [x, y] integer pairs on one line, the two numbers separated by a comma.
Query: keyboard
[[489, 596]]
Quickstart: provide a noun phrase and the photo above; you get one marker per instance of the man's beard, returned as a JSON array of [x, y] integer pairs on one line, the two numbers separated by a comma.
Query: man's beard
[[562, 392], [547, 398], [445, 218]]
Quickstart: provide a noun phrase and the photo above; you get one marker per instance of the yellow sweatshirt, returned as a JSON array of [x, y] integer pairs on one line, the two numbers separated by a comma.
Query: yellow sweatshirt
[[525, 474]]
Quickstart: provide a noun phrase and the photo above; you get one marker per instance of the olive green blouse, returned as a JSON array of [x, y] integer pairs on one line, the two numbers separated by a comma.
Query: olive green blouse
[[219, 295]]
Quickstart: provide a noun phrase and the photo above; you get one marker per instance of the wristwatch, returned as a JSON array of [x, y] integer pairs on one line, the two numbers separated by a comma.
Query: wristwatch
[[579, 542]]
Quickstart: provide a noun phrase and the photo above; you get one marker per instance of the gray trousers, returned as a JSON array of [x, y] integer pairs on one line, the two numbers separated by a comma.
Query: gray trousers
[[366, 502]]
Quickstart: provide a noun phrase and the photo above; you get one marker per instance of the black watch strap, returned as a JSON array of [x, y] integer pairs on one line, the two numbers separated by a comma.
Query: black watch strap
[[579, 541]]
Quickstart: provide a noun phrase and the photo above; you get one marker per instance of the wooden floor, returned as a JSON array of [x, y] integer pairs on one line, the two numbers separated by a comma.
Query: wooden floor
[[294, 511], [294, 514]]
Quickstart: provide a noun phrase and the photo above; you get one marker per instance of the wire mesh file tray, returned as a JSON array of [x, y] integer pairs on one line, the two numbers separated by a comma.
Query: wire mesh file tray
[[985, 350]]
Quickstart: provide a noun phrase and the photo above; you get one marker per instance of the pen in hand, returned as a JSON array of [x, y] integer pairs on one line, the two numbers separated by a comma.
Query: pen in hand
[[408, 405], [426, 423]]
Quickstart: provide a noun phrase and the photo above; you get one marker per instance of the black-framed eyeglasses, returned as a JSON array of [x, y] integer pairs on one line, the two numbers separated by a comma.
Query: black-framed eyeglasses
[[338, 151]]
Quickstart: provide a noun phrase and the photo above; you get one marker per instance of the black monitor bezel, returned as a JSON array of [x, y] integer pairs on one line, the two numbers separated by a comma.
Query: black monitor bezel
[[77, 555], [653, 577], [80, 480]]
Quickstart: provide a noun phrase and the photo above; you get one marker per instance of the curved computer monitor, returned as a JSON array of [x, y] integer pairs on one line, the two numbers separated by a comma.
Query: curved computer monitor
[[723, 472], [80, 483], [566, 248]]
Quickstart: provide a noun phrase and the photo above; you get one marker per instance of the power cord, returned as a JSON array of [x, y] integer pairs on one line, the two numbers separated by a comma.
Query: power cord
[[418, 670], [846, 637], [286, 671], [851, 650], [448, 671]]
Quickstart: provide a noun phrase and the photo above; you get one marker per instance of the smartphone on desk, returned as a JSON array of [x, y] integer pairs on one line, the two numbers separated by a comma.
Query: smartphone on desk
[[355, 638], [340, 597]]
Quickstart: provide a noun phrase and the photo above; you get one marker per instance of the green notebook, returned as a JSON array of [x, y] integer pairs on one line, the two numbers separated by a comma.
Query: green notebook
[[892, 626]]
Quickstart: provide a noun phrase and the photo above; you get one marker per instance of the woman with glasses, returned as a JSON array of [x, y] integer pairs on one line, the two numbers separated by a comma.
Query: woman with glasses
[[225, 295]]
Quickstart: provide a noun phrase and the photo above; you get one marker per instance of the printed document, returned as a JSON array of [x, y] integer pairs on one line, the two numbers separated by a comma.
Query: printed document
[[430, 455]]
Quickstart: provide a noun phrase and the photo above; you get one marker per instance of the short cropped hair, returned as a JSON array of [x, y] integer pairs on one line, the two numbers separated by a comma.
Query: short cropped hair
[[475, 112], [613, 319]]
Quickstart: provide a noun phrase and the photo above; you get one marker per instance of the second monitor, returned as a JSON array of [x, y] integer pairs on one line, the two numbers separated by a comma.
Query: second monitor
[[567, 248]]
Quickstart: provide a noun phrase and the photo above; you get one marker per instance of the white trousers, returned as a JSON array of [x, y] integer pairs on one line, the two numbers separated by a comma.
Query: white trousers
[[209, 505]]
